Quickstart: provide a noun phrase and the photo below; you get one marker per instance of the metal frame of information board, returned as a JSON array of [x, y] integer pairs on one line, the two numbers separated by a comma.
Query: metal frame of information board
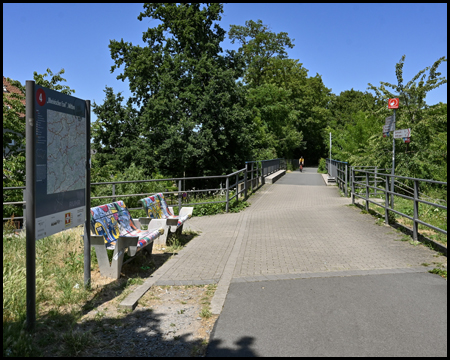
[[31, 134]]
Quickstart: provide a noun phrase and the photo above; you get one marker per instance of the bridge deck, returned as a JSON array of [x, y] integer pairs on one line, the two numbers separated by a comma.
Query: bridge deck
[[303, 235], [295, 228]]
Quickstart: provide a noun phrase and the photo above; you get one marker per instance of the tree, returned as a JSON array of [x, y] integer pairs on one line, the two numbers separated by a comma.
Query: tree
[[344, 106], [115, 134], [412, 95], [190, 108], [423, 156], [258, 47], [54, 82]]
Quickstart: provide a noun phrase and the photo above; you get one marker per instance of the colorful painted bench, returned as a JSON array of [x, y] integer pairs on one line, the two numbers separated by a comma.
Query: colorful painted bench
[[114, 229], [156, 208]]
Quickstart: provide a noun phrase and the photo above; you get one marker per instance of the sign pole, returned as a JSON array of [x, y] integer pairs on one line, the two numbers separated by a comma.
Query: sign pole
[[393, 167], [87, 227], [330, 147], [30, 208]]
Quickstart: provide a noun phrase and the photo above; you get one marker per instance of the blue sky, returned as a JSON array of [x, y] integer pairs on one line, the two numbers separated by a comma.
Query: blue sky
[[349, 45]]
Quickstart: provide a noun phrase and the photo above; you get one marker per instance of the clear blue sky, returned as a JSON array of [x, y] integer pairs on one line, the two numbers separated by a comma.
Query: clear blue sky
[[349, 45]]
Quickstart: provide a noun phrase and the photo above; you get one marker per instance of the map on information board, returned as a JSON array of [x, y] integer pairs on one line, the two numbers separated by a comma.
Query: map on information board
[[66, 152], [61, 158]]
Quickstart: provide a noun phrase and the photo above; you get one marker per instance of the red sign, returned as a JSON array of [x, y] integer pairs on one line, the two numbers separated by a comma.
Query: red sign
[[393, 103], [40, 97], [67, 219]]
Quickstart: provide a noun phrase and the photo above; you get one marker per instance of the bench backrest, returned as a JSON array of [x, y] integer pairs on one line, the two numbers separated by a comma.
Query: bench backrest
[[167, 213], [155, 207], [104, 221], [126, 223], [111, 221]]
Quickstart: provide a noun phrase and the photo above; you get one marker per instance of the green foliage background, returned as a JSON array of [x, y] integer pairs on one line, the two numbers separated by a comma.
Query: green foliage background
[[197, 110]]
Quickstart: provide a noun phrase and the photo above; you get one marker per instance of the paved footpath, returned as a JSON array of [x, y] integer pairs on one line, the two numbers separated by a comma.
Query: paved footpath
[[290, 278]]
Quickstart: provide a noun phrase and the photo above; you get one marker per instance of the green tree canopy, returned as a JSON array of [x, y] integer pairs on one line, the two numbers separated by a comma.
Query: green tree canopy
[[258, 46], [189, 107], [357, 120]]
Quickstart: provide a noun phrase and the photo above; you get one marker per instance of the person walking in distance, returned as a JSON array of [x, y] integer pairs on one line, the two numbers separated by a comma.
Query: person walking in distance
[[301, 162]]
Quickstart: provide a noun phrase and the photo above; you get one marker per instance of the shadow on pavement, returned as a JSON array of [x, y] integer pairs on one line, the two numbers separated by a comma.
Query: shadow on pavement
[[243, 348]]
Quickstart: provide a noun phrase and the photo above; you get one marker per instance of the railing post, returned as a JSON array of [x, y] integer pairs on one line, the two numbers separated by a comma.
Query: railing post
[[237, 187], [386, 202], [262, 174], [346, 184], [251, 178], [179, 196], [114, 192], [367, 191], [245, 182], [375, 181], [352, 169], [227, 182], [416, 210]]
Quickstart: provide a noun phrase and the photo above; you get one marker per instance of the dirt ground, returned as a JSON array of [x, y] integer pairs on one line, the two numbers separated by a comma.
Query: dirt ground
[[168, 320]]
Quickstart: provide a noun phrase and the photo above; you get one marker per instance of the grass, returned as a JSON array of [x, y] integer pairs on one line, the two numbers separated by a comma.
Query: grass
[[206, 313], [440, 272], [61, 297], [430, 214]]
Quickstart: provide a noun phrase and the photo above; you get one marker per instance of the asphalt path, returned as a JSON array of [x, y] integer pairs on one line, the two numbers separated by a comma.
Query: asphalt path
[[396, 314], [308, 177], [371, 315]]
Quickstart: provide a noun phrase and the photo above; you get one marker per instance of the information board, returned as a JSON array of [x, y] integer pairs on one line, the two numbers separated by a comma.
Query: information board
[[60, 150]]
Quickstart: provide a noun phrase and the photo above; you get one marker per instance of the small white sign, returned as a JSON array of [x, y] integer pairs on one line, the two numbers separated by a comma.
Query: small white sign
[[398, 134], [60, 221], [387, 128], [389, 120]]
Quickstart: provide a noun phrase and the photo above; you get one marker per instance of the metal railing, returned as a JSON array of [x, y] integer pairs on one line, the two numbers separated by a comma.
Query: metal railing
[[338, 170], [244, 179], [355, 177], [370, 185], [268, 167]]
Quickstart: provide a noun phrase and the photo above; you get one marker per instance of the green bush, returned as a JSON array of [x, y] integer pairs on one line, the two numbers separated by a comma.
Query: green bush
[[322, 166]]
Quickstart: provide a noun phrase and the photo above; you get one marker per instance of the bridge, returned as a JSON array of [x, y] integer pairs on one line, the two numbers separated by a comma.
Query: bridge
[[301, 244]]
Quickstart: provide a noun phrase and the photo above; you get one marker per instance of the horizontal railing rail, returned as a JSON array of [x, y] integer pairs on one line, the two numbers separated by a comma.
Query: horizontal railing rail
[[246, 179], [414, 196]]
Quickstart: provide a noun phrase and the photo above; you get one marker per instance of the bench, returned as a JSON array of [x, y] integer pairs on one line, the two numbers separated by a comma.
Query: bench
[[114, 229], [158, 212], [270, 179]]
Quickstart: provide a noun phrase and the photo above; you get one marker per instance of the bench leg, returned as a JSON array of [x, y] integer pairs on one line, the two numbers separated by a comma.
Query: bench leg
[[162, 240], [179, 229], [149, 249], [107, 269]]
